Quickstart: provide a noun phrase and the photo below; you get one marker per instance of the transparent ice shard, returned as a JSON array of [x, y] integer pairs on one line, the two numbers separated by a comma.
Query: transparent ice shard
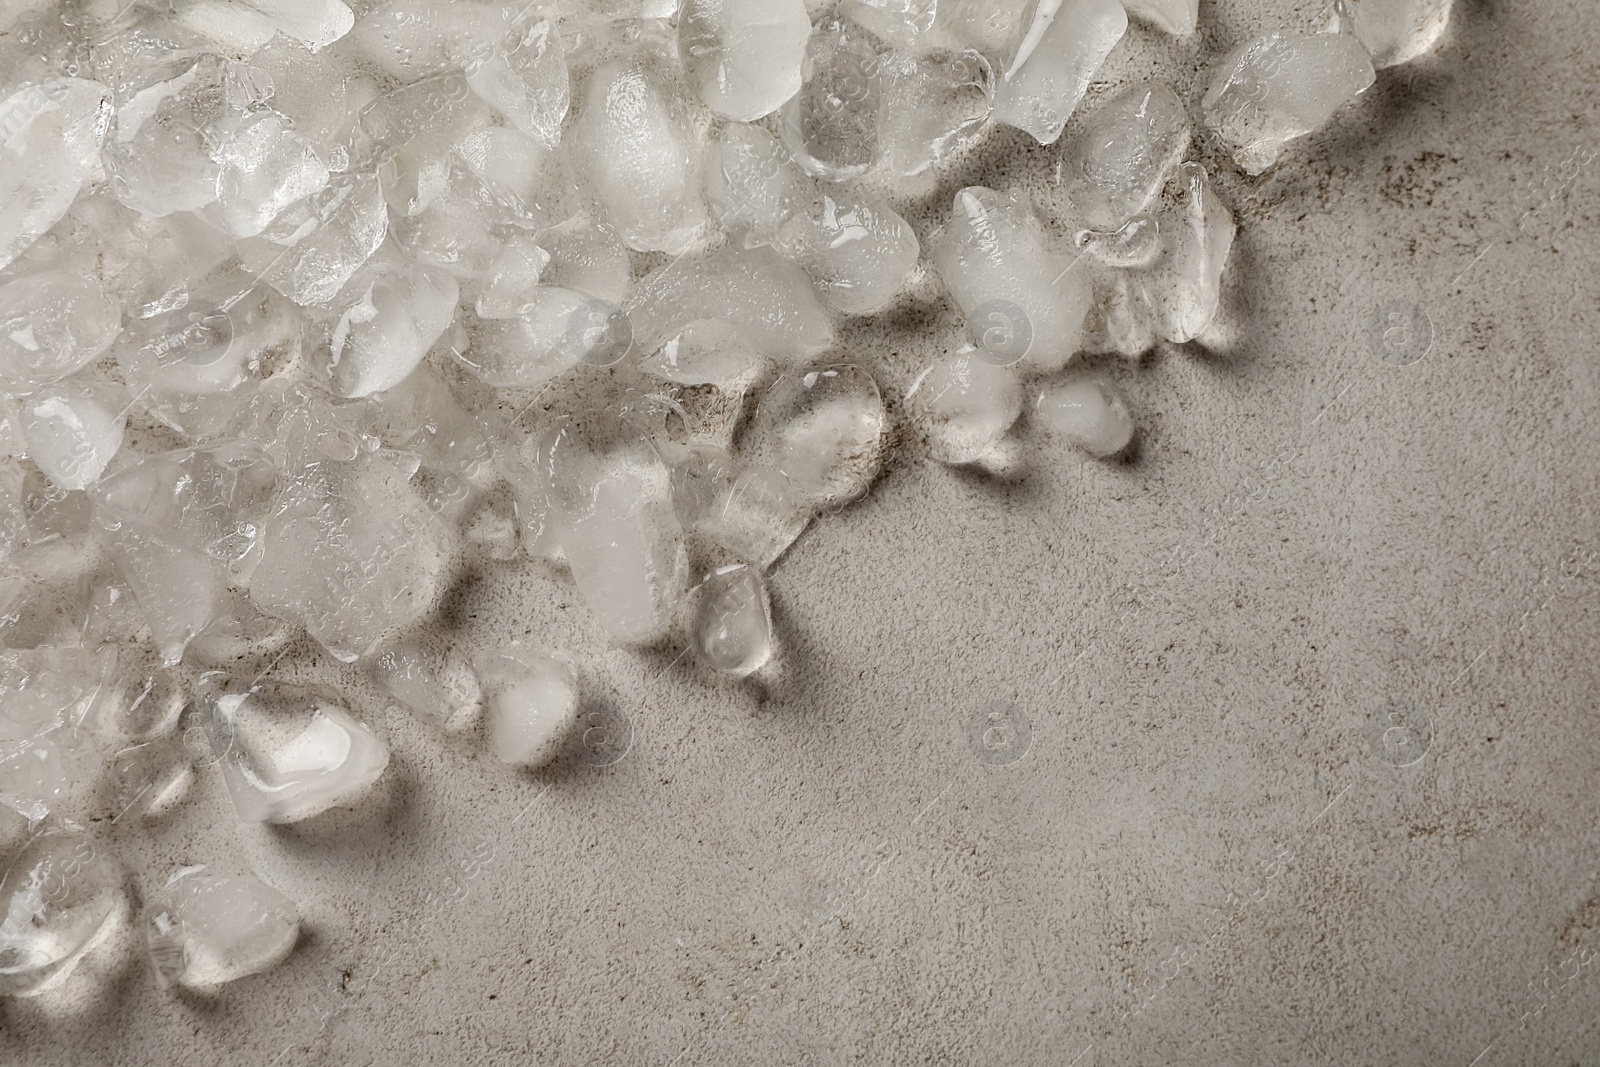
[[42, 689], [733, 621], [1090, 413], [388, 325], [1271, 90], [1055, 51], [964, 404], [288, 753], [831, 125], [434, 686], [935, 103], [57, 895], [823, 428], [750, 509], [413, 39], [1174, 16], [1394, 31], [1021, 300], [50, 138], [265, 166], [744, 56], [857, 250], [73, 429], [522, 73], [638, 152], [204, 928], [1123, 155], [312, 249], [530, 702], [1184, 287], [52, 324]]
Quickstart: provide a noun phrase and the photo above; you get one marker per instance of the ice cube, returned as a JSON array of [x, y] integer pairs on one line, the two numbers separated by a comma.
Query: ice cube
[[288, 753], [1174, 16], [42, 689], [523, 75], [57, 896], [733, 621], [74, 428], [312, 249], [752, 185], [1021, 300], [314, 23], [265, 167], [530, 702], [1052, 59], [392, 322], [748, 509], [831, 125], [50, 138], [1184, 287], [744, 56], [637, 149], [1090, 413], [205, 928], [1273, 89], [935, 103], [823, 428], [52, 324], [964, 404], [1122, 156], [1394, 31], [436, 686]]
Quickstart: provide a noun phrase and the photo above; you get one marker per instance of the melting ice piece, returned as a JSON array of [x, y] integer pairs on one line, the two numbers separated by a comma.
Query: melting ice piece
[[56, 897], [73, 429], [44, 688], [752, 185], [831, 125], [351, 551], [856, 249], [964, 404], [161, 157], [1184, 287], [530, 702], [288, 753], [140, 705], [314, 23], [204, 928], [50, 138], [52, 324], [744, 56], [1122, 320], [507, 289], [1124, 154], [561, 329], [1021, 300], [1052, 59], [705, 352], [586, 257], [1175, 16], [388, 326], [1394, 31], [749, 509], [639, 154], [899, 22], [1271, 90], [823, 428], [733, 621], [934, 104], [987, 25], [1089, 413], [441, 691], [312, 249], [265, 167], [770, 300], [523, 75]]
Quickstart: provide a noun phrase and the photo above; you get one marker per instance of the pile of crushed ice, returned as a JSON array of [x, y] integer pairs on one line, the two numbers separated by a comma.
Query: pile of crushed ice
[[300, 309]]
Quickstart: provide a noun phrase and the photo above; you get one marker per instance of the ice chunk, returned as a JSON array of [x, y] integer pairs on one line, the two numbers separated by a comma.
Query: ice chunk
[[42, 689], [383, 334], [856, 249], [438, 688], [1052, 59], [987, 25], [1090, 413], [508, 287], [705, 352], [899, 22], [288, 753], [140, 705], [312, 249], [744, 56], [523, 75], [150, 778], [314, 23], [56, 897], [530, 702], [1123, 155], [1174, 16], [1394, 31], [1184, 287], [50, 138], [73, 429], [162, 157], [935, 103], [749, 509], [586, 257], [771, 302], [265, 167], [751, 184], [562, 329], [733, 621], [823, 428], [831, 125], [412, 39], [205, 928], [964, 404], [351, 551], [638, 151], [1021, 300], [52, 324], [1273, 89]]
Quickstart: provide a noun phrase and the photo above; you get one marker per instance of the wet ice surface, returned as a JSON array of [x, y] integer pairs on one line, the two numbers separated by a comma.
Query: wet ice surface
[[1052, 59], [1089, 413], [744, 56], [205, 928], [530, 702], [733, 623], [1394, 31]]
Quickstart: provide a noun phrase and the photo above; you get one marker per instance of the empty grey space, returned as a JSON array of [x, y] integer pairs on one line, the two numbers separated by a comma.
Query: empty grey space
[[1275, 744]]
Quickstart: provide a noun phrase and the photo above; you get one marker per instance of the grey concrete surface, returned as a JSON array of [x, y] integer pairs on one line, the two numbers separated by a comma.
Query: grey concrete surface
[[1300, 763]]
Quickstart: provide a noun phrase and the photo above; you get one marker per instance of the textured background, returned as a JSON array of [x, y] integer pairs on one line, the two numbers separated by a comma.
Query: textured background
[[1202, 849]]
